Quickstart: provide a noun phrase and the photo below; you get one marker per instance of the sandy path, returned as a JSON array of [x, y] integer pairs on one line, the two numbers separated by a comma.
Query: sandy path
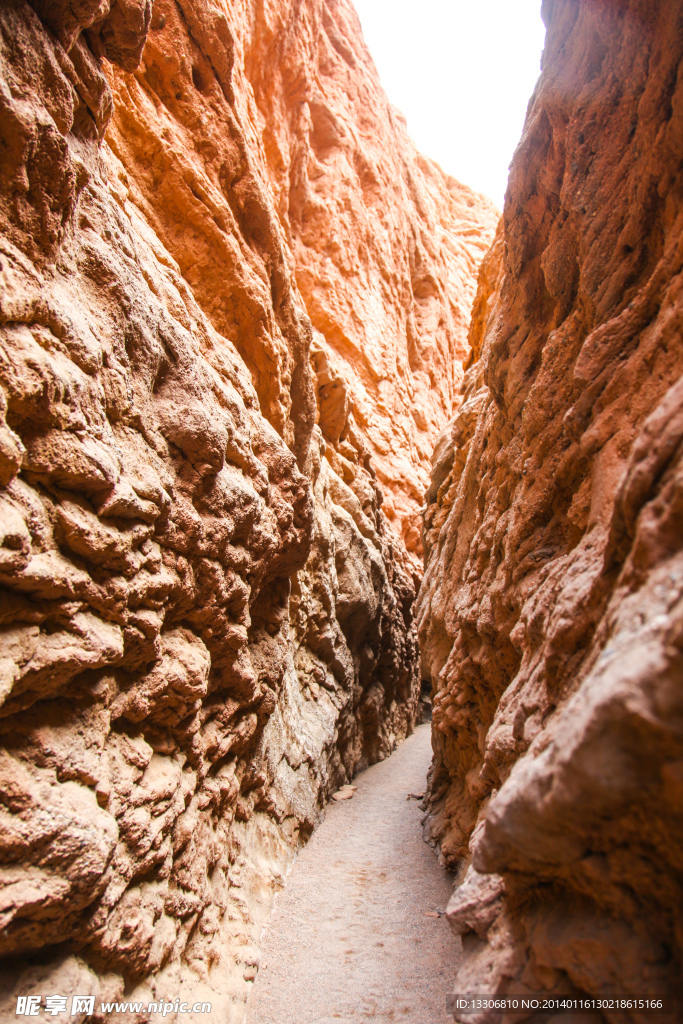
[[349, 940]]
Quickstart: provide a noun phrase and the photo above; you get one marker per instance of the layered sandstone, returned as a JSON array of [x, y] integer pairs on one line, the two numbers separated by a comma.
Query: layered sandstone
[[226, 278], [551, 617]]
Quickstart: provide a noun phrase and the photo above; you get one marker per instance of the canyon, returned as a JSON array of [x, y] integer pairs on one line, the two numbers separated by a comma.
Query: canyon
[[234, 307], [244, 328]]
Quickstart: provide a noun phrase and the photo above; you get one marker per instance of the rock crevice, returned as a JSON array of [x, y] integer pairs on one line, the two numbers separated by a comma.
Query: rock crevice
[[226, 278]]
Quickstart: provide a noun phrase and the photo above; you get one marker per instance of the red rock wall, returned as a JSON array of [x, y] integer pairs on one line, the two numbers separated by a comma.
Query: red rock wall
[[225, 280], [386, 249], [551, 616]]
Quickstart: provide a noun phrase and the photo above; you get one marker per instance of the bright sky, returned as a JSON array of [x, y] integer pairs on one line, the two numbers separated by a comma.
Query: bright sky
[[462, 72]]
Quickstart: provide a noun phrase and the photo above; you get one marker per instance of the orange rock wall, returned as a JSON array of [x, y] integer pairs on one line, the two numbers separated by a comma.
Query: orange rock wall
[[386, 249], [382, 247], [232, 308], [551, 614]]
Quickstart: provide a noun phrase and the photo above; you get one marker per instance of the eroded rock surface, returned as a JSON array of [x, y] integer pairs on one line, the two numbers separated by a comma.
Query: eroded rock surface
[[386, 250], [551, 618], [206, 618]]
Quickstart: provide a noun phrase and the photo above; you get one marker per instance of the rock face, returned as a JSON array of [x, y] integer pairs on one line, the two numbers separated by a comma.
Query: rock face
[[227, 282], [386, 249], [551, 618]]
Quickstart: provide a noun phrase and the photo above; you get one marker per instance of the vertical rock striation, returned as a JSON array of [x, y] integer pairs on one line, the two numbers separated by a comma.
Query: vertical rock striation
[[386, 249], [551, 617], [228, 285]]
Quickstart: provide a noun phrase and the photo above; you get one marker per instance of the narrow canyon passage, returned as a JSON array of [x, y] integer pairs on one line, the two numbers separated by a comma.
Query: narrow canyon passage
[[350, 939], [292, 425]]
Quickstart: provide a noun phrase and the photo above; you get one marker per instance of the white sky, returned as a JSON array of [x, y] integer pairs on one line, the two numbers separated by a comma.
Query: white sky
[[462, 72]]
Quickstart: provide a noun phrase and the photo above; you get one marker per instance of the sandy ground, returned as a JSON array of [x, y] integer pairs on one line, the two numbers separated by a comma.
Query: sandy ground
[[349, 940]]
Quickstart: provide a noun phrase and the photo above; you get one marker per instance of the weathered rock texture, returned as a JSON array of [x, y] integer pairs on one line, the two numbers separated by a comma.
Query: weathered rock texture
[[552, 611], [206, 618], [386, 249]]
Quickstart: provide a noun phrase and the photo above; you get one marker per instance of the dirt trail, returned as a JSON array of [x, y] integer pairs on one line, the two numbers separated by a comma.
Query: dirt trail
[[350, 940]]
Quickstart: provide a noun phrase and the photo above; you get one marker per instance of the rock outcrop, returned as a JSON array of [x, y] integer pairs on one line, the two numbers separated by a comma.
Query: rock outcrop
[[551, 617], [233, 306]]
